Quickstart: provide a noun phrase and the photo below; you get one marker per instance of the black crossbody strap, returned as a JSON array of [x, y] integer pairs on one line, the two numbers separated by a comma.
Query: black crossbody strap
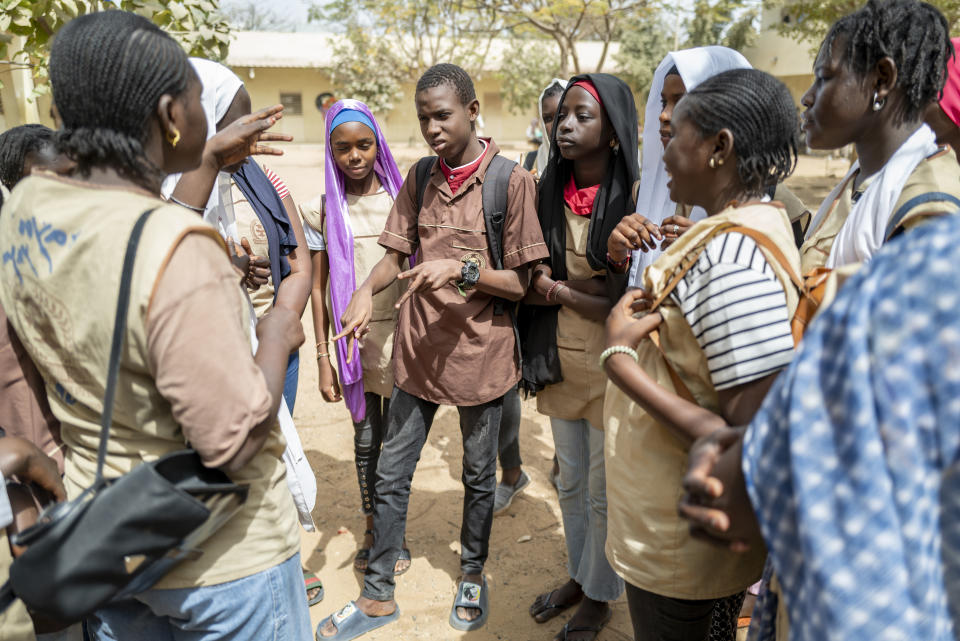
[[119, 331]]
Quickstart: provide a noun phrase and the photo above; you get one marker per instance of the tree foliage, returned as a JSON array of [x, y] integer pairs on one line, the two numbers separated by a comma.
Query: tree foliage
[[254, 15], [809, 20], [196, 24], [365, 68], [526, 68], [643, 45], [722, 22], [566, 22]]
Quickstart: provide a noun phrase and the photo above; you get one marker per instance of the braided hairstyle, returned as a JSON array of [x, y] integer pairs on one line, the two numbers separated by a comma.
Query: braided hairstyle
[[758, 109], [15, 144], [452, 75], [108, 70], [553, 89], [914, 34]]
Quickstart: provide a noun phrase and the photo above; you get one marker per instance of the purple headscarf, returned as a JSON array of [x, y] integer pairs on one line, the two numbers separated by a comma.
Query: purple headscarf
[[339, 239]]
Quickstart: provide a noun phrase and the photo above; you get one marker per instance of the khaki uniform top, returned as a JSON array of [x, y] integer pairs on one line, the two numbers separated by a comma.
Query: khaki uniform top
[[250, 227], [648, 544], [580, 341], [937, 173], [186, 373], [367, 217], [452, 349]]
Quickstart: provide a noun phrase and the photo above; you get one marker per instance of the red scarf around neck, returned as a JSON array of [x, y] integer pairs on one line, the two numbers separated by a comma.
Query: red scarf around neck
[[580, 201]]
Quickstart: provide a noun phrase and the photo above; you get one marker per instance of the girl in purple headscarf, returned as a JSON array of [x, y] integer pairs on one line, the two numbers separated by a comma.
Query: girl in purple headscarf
[[341, 228]]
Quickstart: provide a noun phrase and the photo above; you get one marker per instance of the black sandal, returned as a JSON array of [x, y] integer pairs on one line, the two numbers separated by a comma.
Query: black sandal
[[566, 629], [363, 554], [542, 605]]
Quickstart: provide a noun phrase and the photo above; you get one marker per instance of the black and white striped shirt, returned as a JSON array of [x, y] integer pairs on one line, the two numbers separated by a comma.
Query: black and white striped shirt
[[737, 310]]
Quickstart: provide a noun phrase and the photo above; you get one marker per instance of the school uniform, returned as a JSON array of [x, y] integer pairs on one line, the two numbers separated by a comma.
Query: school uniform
[[451, 349]]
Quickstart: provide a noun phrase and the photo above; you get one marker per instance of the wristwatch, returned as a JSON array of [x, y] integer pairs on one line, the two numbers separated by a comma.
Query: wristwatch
[[469, 275]]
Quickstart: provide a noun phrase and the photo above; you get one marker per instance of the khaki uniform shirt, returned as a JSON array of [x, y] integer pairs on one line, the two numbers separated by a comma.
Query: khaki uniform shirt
[[451, 349]]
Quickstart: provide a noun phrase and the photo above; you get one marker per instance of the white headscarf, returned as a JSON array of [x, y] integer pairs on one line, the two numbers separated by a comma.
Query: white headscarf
[[220, 87], [543, 152], [653, 199]]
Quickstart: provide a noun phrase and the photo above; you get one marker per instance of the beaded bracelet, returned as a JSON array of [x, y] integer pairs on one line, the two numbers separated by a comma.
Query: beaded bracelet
[[617, 263], [618, 349], [553, 288]]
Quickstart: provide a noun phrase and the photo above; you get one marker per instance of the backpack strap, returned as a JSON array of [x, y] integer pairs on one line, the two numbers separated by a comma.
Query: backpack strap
[[496, 184], [934, 196], [424, 167]]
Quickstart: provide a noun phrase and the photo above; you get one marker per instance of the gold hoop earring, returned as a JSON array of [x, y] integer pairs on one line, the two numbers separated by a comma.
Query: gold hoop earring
[[174, 138]]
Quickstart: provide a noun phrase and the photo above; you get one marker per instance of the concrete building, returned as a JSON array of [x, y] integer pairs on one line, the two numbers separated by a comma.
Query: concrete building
[[291, 68], [787, 59]]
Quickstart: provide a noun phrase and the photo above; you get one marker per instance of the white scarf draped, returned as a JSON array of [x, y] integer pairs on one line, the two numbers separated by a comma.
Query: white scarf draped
[[863, 232], [653, 199], [543, 152]]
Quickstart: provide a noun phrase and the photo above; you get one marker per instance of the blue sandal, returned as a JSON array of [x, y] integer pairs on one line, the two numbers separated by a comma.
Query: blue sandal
[[351, 623], [470, 595]]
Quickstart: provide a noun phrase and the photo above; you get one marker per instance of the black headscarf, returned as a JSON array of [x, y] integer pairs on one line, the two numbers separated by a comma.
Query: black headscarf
[[538, 324]]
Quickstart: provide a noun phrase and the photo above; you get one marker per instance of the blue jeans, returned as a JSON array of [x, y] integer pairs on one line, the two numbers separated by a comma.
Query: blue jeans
[[269, 605], [290, 382], [583, 504]]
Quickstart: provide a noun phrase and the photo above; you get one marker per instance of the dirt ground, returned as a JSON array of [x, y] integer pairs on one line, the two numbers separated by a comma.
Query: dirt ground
[[516, 571]]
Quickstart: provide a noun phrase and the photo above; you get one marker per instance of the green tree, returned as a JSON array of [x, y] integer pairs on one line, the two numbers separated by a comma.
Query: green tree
[[253, 15], [527, 66], [196, 24], [643, 45], [809, 20], [364, 67], [722, 22]]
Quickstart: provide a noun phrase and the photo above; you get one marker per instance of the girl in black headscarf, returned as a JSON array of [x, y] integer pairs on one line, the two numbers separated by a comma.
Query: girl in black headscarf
[[584, 193]]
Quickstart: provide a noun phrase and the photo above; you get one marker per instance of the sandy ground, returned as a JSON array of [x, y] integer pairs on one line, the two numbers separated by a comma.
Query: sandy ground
[[516, 572]]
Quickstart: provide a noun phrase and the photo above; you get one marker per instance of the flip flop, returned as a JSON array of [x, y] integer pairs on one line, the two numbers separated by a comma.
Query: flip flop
[[585, 628], [542, 605], [470, 595], [351, 623], [311, 582], [363, 554], [404, 556]]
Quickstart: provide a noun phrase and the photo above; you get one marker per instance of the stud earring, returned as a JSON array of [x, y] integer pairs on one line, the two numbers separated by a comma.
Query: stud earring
[[878, 102], [719, 162], [174, 138], [713, 163]]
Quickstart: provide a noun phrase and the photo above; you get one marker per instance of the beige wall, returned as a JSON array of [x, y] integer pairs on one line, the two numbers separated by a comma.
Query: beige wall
[[400, 124]]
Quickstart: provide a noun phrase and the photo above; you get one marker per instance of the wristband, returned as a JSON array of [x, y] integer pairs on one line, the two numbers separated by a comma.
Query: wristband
[[617, 263], [322, 354], [553, 288], [618, 349]]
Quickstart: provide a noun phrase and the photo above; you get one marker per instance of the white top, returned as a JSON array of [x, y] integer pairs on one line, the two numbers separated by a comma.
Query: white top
[[736, 307], [6, 513]]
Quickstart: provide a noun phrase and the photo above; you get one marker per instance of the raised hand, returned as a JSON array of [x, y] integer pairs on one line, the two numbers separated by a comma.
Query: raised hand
[[633, 232], [246, 137]]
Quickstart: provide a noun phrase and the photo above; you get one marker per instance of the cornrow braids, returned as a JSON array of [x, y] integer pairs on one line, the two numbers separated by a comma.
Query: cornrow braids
[[758, 109], [452, 75], [914, 34], [15, 144], [108, 70], [553, 89]]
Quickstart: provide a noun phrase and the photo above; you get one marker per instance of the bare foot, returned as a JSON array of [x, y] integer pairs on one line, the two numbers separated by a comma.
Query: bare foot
[[368, 606], [591, 616], [469, 614], [550, 604]]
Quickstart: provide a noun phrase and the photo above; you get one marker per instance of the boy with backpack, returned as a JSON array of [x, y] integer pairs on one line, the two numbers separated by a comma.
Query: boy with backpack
[[472, 221]]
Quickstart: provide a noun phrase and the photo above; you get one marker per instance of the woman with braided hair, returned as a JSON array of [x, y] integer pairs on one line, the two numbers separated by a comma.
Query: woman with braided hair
[[721, 297], [129, 102], [877, 72]]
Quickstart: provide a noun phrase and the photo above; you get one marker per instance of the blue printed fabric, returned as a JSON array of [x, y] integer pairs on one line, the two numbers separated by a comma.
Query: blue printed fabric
[[852, 462]]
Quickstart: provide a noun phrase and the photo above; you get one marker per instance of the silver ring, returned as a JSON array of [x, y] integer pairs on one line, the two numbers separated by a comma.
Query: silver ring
[[676, 229]]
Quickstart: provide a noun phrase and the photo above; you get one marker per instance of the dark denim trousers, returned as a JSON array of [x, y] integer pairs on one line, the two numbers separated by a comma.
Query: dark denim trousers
[[661, 618], [408, 425], [510, 431]]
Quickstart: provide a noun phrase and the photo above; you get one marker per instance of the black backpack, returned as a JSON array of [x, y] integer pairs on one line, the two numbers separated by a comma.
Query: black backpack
[[494, 197]]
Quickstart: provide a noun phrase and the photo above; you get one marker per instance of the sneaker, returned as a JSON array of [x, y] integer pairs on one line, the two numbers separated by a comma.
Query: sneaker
[[505, 493]]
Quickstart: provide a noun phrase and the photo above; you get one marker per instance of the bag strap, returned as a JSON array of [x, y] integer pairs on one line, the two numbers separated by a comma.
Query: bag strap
[[119, 332], [934, 196], [690, 260], [496, 184], [424, 167]]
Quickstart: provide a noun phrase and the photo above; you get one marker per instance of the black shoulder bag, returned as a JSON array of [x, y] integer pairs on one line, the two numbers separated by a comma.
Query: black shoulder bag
[[120, 536]]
